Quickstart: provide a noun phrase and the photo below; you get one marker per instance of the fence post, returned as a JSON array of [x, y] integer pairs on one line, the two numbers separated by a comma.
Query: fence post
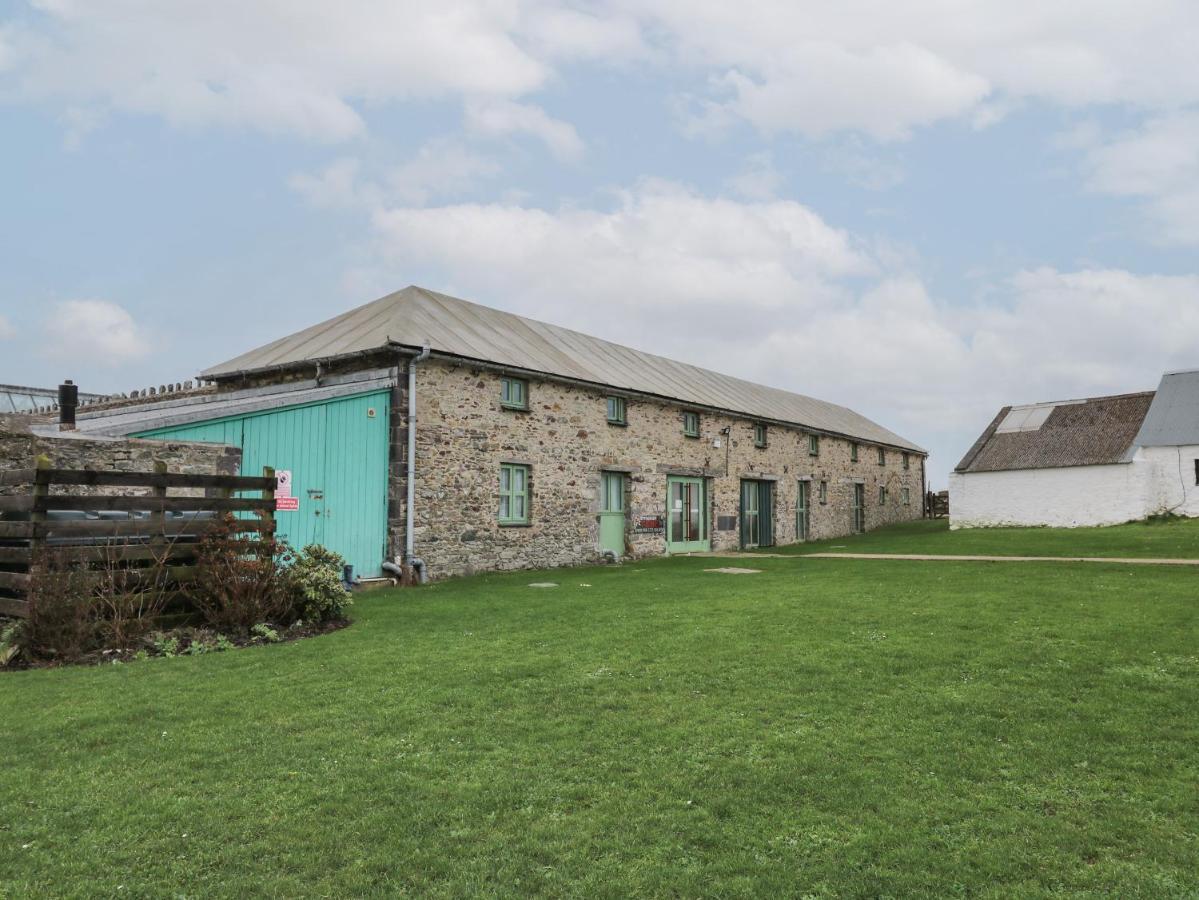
[[268, 515], [157, 510], [37, 515]]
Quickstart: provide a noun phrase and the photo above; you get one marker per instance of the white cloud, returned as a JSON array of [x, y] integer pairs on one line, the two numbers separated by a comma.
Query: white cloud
[[311, 68], [1158, 162], [498, 118], [885, 69], [7, 330], [294, 66], [95, 331], [440, 168], [758, 178], [770, 291]]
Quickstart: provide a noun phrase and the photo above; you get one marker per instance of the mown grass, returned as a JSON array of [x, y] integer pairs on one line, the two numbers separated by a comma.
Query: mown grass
[[830, 728], [1168, 538]]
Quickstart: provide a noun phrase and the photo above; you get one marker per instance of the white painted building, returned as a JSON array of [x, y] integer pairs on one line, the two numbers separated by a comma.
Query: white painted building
[[1099, 461]]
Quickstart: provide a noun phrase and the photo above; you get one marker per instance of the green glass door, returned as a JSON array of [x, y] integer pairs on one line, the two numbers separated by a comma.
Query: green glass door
[[612, 512], [686, 515], [859, 508], [757, 515], [803, 513]]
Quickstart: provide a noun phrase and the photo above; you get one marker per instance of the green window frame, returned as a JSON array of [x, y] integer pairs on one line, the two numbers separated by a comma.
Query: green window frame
[[882, 495], [906, 496], [882, 456], [616, 411], [813, 445], [514, 494], [907, 460], [691, 424], [853, 452], [514, 393], [759, 435], [823, 493]]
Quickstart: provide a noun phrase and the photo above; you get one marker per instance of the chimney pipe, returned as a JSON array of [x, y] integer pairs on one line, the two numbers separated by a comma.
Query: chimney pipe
[[68, 399]]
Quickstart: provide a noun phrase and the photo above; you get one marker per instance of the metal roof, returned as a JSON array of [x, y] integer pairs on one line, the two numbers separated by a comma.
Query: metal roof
[[1173, 419], [193, 408], [414, 316], [1090, 432]]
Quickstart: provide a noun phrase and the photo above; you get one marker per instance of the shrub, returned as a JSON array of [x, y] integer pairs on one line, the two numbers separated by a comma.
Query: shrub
[[316, 580], [241, 580], [263, 633], [93, 598], [63, 621], [10, 643]]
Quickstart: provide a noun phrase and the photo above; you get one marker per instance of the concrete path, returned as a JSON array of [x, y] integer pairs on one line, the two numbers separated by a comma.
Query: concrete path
[[1145, 561]]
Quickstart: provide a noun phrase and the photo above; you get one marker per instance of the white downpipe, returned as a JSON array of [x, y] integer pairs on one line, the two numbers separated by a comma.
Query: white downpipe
[[411, 479]]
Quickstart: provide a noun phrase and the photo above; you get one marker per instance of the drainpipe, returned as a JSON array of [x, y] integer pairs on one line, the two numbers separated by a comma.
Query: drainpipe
[[409, 558]]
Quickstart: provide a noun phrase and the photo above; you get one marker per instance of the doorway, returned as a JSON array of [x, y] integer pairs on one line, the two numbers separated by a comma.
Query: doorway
[[686, 515], [757, 513], [859, 508], [803, 512], [612, 512]]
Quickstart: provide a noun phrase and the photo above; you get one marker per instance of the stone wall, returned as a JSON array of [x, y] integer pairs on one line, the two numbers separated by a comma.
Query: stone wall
[[463, 435], [19, 447]]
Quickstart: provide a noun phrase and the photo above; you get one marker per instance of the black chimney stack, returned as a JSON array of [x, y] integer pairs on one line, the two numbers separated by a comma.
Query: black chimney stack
[[68, 399]]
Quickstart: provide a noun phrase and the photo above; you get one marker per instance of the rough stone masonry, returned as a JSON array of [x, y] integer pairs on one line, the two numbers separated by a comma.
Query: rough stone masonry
[[464, 434]]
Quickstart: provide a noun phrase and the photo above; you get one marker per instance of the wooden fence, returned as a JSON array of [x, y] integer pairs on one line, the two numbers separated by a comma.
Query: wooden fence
[[152, 536]]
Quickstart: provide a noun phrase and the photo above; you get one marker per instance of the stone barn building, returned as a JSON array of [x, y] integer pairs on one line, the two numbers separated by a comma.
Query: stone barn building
[[1099, 461], [459, 438]]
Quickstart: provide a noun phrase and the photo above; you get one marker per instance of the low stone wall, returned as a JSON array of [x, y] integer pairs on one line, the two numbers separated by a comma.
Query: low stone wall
[[20, 447]]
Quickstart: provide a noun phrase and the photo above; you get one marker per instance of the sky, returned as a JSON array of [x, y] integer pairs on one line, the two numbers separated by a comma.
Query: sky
[[924, 211]]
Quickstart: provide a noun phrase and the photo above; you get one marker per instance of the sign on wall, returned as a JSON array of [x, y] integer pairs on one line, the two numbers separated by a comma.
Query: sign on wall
[[648, 525], [284, 501]]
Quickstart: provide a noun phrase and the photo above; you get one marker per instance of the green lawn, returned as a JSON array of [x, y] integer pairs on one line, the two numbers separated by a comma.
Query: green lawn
[[830, 728], [1171, 538]]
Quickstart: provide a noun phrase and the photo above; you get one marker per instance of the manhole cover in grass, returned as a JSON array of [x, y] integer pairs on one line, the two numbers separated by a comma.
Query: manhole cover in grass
[[734, 570], [544, 584]]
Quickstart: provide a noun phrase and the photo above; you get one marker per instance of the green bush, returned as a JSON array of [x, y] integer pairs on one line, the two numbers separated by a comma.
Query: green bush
[[316, 579]]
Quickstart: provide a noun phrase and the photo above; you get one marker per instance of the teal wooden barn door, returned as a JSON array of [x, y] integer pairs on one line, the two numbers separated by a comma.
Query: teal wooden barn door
[[337, 453]]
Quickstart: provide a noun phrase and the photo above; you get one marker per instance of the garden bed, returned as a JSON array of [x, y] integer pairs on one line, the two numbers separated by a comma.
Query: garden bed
[[168, 643]]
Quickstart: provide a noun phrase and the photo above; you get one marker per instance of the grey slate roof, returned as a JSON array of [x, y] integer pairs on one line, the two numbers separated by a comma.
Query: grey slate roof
[[1073, 433], [457, 328], [1173, 419]]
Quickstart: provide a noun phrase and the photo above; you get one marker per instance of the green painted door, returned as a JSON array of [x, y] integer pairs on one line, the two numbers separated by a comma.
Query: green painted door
[[686, 515], [757, 513], [803, 512], [337, 452], [612, 512], [859, 508]]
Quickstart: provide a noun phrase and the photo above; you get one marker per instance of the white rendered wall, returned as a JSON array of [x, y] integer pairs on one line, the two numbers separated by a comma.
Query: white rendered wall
[[1063, 498], [1174, 489]]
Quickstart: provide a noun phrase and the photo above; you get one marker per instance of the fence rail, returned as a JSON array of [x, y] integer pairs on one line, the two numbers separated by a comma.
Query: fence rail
[[154, 542]]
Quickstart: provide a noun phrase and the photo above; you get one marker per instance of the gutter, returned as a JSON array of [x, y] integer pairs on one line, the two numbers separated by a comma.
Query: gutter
[[410, 558]]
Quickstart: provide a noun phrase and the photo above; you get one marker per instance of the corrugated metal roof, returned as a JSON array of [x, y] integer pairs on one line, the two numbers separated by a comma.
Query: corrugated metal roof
[[1074, 433], [415, 316], [1173, 419]]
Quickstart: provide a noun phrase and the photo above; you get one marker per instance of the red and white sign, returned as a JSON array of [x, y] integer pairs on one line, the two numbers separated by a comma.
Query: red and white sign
[[287, 504]]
